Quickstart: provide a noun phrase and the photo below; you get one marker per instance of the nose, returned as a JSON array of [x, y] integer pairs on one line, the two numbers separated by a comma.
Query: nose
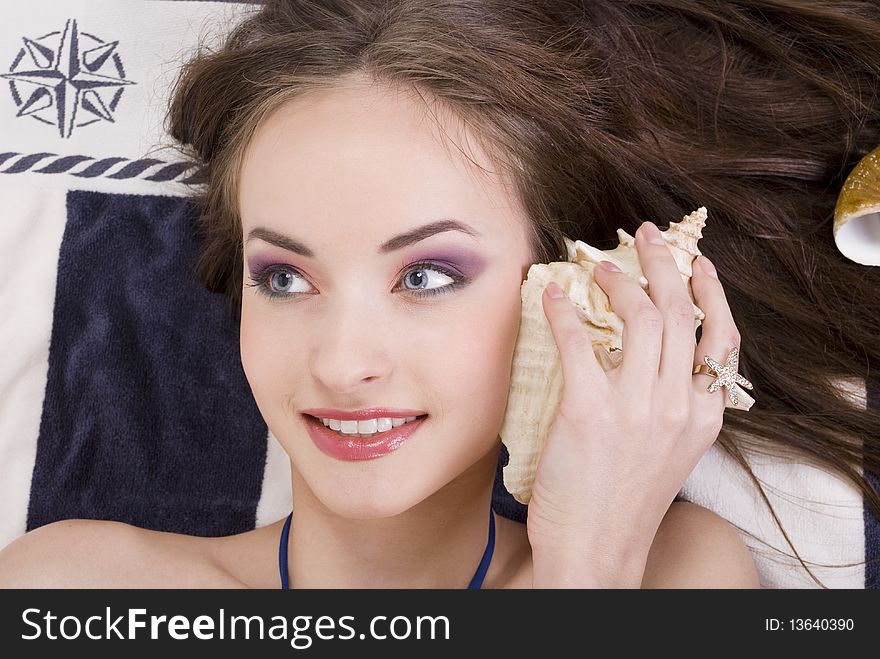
[[350, 350]]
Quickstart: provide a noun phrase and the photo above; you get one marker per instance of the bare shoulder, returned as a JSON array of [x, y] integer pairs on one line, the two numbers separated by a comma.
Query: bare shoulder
[[103, 554], [696, 548]]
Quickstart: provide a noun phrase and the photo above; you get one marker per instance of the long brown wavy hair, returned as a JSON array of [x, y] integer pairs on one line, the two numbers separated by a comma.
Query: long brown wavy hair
[[606, 113]]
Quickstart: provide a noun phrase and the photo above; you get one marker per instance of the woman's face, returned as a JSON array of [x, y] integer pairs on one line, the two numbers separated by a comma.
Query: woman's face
[[342, 173]]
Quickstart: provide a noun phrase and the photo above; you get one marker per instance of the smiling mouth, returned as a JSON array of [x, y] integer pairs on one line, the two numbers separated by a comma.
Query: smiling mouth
[[370, 435], [354, 446]]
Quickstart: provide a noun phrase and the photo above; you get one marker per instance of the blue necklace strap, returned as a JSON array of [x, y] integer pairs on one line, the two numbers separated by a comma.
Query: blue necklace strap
[[282, 552], [477, 582]]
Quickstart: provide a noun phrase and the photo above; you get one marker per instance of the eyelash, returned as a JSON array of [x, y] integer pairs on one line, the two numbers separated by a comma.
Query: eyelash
[[261, 279]]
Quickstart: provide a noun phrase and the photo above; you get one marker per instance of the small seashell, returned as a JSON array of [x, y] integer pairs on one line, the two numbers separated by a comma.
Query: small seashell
[[857, 213], [536, 376]]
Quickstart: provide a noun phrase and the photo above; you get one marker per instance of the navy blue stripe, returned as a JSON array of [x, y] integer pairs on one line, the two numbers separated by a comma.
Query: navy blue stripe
[[148, 417], [134, 168]]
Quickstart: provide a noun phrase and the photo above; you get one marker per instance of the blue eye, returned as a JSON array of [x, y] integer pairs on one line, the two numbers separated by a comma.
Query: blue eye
[[270, 279], [279, 281], [422, 281], [271, 276]]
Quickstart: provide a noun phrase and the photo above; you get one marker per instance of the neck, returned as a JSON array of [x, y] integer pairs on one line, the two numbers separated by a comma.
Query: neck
[[437, 543]]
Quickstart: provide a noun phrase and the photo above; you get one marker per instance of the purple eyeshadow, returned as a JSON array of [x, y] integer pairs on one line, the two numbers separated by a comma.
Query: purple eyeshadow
[[257, 264], [466, 262]]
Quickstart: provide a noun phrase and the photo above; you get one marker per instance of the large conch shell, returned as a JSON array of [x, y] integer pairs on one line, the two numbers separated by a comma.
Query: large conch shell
[[536, 375]]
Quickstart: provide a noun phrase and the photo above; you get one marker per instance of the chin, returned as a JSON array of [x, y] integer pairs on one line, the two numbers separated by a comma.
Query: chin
[[367, 498], [369, 508]]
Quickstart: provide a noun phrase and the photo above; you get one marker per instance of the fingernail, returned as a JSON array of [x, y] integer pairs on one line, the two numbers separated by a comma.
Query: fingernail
[[608, 265], [553, 290], [652, 233], [707, 267]]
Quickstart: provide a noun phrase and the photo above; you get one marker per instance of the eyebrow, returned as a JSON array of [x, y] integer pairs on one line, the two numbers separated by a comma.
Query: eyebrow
[[392, 245]]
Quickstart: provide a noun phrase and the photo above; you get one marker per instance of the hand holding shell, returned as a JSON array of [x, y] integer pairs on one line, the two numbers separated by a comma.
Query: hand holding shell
[[536, 375], [623, 442]]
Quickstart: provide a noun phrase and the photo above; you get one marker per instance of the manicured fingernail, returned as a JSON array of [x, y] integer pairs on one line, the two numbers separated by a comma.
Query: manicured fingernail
[[652, 233], [707, 267], [553, 290], [608, 265]]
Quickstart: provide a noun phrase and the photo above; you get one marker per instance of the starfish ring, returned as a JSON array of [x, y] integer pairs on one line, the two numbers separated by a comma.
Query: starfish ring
[[725, 374]]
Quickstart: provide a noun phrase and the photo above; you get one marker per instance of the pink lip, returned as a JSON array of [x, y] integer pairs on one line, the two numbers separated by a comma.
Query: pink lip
[[358, 448], [361, 415]]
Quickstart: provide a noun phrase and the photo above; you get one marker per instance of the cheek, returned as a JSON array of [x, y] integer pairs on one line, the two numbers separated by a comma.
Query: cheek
[[483, 357], [263, 354]]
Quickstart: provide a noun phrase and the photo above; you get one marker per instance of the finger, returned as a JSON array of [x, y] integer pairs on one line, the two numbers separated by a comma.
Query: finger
[[668, 291], [720, 333], [642, 328], [581, 372]]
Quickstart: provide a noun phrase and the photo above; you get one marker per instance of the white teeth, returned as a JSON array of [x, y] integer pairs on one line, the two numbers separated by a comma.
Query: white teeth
[[367, 427]]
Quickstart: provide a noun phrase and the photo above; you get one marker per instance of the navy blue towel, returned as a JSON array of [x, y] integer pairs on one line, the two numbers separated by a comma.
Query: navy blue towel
[[148, 417]]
